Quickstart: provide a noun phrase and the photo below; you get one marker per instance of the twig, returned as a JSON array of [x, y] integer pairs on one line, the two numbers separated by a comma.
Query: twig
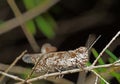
[[106, 74], [34, 68], [96, 79], [29, 36], [99, 76], [106, 48], [89, 68], [11, 24], [14, 69], [11, 76], [15, 61]]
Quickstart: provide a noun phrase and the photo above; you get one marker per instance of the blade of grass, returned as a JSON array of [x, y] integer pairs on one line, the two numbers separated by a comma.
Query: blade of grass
[[100, 61], [95, 54], [88, 64], [31, 27], [113, 73], [50, 20], [38, 2], [46, 29], [111, 54], [111, 60], [102, 82], [116, 75], [1, 21], [29, 4], [44, 22]]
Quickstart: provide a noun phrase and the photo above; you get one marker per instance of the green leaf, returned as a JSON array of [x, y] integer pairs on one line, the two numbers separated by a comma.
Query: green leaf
[[88, 63], [44, 26], [31, 27], [111, 54], [116, 75], [1, 22], [100, 60], [50, 20], [37, 2], [95, 54], [102, 82], [45, 22], [29, 4], [25, 73], [111, 60]]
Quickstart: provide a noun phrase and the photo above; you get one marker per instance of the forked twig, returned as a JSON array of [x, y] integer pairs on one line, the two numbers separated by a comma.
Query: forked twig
[[29, 36], [89, 68], [33, 68], [70, 71], [11, 24], [105, 48], [99, 76], [14, 62]]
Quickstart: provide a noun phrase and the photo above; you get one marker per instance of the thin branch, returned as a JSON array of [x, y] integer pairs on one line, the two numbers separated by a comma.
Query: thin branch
[[14, 69], [34, 68], [29, 36], [99, 76], [11, 24], [96, 79], [106, 74], [11, 76], [15, 61], [89, 68], [106, 48]]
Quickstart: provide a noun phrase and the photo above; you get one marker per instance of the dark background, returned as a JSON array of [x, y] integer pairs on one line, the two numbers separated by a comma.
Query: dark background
[[76, 19]]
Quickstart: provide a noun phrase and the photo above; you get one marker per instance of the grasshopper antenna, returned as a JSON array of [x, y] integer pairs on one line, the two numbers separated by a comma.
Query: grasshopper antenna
[[93, 43]]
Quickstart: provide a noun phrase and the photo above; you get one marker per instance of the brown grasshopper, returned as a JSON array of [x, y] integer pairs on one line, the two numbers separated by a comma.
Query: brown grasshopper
[[52, 61]]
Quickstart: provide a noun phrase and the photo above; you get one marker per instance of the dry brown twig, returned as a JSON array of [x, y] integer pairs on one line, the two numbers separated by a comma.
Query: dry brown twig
[[14, 69], [15, 61], [99, 76], [96, 79], [11, 76], [11, 24], [89, 68], [33, 69], [29, 36]]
